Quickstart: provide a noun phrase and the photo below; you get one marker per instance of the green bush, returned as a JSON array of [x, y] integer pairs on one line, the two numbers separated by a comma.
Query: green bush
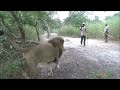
[[94, 28], [30, 33], [69, 31], [114, 25], [10, 65]]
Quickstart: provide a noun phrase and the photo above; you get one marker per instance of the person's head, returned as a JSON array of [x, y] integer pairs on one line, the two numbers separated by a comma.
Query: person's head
[[83, 24]]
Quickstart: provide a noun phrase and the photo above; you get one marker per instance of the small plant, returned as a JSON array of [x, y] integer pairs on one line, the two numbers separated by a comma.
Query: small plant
[[101, 75], [11, 65]]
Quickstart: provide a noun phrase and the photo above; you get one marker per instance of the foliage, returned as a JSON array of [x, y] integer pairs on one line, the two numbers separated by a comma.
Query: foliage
[[75, 18], [34, 23], [101, 75], [11, 22], [114, 25], [73, 22], [10, 64], [69, 30]]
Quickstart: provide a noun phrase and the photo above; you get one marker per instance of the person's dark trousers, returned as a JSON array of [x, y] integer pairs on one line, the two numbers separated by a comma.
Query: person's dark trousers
[[83, 38], [106, 38]]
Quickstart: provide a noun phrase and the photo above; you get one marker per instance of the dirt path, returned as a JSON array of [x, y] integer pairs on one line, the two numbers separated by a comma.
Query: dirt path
[[94, 61]]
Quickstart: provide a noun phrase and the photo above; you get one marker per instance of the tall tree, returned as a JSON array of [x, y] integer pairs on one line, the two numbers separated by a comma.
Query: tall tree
[[75, 18], [20, 24]]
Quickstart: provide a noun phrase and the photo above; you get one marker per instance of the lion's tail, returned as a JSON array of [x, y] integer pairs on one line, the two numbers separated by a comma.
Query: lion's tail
[[23, 50]]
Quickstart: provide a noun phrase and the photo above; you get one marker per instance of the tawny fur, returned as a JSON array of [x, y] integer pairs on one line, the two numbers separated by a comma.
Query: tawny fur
[[47, 52]]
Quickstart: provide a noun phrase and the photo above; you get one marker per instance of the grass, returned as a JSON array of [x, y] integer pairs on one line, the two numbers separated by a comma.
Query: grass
[[10, 66], [31, 33], [11, 70], [93, 29], [101, 75], [69, 31]]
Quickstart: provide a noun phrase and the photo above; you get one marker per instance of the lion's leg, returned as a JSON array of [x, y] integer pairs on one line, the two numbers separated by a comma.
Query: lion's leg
[[31, 69], [25, 71], [56, 63], [25, 75], [51, 71]]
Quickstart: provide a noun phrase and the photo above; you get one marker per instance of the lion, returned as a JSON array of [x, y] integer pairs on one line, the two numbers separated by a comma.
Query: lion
[[44, 53]]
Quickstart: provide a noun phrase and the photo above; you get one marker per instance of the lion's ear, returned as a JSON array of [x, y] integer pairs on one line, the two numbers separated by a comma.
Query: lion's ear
[[56, 41], [53, 42]]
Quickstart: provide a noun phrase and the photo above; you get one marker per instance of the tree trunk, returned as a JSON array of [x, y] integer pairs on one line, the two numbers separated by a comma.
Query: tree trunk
[[8, 27], [20, 26], [38, 35], [37, 30], [48, 30]]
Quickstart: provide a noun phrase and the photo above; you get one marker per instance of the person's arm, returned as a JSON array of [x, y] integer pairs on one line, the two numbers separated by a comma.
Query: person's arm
[[80, 28], [85, 30], [80, 32], [108, 30]]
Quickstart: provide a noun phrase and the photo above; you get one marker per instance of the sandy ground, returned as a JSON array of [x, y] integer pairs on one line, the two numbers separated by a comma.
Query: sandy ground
[[96, 60]]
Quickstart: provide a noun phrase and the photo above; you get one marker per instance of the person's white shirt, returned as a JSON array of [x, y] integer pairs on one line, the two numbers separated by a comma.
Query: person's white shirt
[[82, 31], [106, 27]]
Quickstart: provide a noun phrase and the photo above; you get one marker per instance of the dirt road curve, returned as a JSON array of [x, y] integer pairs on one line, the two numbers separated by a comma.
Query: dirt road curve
[[97, 60]]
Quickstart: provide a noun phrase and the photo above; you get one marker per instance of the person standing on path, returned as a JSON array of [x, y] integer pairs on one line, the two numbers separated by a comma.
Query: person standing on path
[[83, 33], [106, 32]]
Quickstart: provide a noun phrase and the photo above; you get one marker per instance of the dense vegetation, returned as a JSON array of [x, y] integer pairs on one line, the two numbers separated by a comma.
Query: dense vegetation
[[29, 25], [22, 26], [75, 19]]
